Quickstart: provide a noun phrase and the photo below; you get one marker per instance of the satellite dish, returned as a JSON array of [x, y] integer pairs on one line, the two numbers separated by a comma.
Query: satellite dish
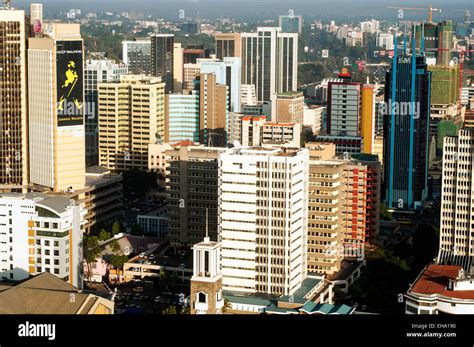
[[237, 144]]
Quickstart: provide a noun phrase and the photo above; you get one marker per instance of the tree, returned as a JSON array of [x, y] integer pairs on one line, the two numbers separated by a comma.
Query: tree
[[227, 306], [91, 252], [117, 261], [170, 310], [115, 246], [116, 228], [104, 235]]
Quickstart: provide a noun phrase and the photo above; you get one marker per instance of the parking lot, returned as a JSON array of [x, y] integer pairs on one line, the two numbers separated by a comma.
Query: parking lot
[[142, 297]]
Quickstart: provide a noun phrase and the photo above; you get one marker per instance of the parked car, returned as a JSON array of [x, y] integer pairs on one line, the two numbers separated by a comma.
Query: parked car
[[157, 299], [138, 289]]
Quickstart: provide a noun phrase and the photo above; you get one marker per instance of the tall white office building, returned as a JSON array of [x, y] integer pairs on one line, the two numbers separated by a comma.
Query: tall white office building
[[227, 72], [263, 219], [457, 215], [270, 61]]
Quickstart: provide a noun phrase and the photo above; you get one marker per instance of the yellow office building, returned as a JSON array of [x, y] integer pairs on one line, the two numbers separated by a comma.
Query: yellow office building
[[56, 107], [131, 117]]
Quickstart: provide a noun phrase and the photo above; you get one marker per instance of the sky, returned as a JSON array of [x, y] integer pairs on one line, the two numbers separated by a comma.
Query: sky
[[312, 9]]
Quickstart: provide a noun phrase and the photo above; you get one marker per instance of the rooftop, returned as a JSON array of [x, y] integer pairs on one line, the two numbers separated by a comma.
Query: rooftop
[[435, 280], [44, 294]]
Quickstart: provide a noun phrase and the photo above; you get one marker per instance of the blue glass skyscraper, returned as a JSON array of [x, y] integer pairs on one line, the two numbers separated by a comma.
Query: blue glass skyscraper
[[406, 129]]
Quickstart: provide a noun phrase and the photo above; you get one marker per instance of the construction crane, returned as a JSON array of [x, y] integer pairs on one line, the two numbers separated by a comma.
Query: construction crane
[[429, 9]]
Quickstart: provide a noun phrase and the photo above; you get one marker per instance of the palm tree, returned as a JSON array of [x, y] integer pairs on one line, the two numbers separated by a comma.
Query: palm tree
[[227, 306], [117, 261], [91, 252]]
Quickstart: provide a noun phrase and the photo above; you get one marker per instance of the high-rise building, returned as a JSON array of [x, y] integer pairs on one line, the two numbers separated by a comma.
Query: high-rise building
[[97, 71], [255, 131], [137, 56], [13, 102], [178, 68], [247, 95], [263, 219], [367, 122], [162, 54], [438, 42], [270, 61], [455, 246], [227, 72], [344, 107], [131, 116], [228, 45], [343, 207], [182, 117], [213, 111], [384, 40], [192, 187], [444, 84], [325, 202], [288, 107], [41, 233], [192, 53], [291, 24], [191, 73], [56, 108], [406, 131]]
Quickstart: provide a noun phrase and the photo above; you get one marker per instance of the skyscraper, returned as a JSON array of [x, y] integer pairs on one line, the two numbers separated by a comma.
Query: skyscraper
[[56, 108], [192, 187], [13, 105], [97, 71], [131, 116], [137, 56], [228, 45], [227, 72], [263, 219], [455, 244], [406, 131], [213, 111], [182, 117], [270, 61], [162, 54]]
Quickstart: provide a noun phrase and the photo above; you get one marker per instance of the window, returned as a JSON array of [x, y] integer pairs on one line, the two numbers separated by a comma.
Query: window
[[202, 297], [38, 242], [56, 243], [47, 261], [46, 251], [56, 261], [46, 243], [56, 271], [56, 253]]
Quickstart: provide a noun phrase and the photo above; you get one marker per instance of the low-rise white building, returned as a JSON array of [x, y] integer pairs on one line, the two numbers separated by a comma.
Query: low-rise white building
[[441, 289]]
